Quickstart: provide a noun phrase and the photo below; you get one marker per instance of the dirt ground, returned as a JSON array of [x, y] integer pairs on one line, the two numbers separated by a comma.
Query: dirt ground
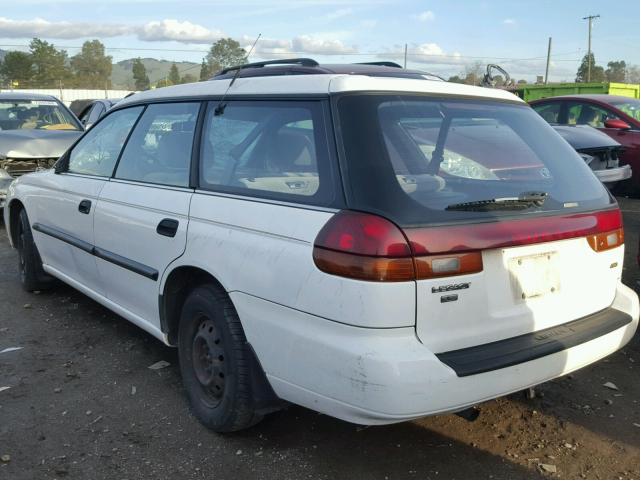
[[83, 404]]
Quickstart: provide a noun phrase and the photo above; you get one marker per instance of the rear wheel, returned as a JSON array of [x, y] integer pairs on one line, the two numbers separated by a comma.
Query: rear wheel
[[215, 361], [32, 275]]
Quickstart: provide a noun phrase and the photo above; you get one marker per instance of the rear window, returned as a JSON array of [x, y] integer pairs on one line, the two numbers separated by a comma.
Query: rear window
[[418, 160]]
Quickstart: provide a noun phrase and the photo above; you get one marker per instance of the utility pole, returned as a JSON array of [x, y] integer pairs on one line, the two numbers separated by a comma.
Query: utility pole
[[405, 56], [590, 18], [546, 73]]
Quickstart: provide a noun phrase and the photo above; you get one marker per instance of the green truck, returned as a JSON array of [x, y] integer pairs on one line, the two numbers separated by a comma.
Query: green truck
[[535, 92]]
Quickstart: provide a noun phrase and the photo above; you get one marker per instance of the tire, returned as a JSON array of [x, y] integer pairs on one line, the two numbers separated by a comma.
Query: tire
[[32, 275], [215, 361]]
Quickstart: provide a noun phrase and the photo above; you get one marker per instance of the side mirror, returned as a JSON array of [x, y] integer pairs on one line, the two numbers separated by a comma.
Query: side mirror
[[617, 124], [61, 164]]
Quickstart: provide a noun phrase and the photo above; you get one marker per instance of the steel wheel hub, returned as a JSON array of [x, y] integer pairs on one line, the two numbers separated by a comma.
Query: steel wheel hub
[[208, 358]]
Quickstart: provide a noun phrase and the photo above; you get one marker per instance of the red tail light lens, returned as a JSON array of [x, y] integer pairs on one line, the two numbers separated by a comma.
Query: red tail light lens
[[363, 234], [510, 233]]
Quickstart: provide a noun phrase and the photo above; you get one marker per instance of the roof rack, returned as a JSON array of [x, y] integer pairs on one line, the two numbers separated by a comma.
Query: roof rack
[[305, 62], [381, 64]]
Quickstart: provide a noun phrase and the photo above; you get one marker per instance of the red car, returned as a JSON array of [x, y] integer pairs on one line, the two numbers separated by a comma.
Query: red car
[[618, 117]]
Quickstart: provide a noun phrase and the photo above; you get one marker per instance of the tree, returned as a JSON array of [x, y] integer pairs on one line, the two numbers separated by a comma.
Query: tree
[[226, 52], [174, 75], [522, 81], [205, 71], [188, 78], [49, 64], [17, 68], [616, 71], [91, 67], [140, 77], [633, 74], [473, 73], [456, 79], [597, 72], [498, 80]]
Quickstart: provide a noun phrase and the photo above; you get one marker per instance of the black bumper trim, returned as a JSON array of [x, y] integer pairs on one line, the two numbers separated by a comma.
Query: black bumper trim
[[530, 346]]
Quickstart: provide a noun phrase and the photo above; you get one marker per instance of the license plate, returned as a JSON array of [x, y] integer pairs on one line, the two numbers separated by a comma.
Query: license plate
[[534, 275]]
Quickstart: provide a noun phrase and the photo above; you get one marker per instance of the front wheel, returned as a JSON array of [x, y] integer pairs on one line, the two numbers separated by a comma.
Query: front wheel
[[215, 361], [32, 275]]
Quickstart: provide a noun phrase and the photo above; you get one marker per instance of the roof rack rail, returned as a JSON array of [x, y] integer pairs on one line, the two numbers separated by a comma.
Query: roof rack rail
[[305, 62], [382, 64]]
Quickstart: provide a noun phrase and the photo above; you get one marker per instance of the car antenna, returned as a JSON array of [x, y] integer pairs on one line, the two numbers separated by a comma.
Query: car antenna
[[221, 106]]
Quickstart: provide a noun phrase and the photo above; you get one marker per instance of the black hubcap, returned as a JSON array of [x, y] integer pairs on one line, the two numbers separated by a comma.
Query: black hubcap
[[208, 359]]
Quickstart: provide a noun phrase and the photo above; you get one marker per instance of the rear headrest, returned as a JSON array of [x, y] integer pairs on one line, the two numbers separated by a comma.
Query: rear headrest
[[174, 149], [290, 151]]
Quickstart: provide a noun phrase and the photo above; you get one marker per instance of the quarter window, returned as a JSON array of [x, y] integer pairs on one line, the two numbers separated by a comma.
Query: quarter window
[[97, 152], [267, 149], [550, 111], [159, 150]]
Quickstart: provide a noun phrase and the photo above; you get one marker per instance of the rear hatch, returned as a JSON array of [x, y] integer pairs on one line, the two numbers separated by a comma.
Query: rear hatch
[[513, 231]]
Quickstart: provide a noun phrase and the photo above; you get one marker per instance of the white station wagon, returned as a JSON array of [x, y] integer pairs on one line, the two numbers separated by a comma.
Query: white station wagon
[[361, 240]]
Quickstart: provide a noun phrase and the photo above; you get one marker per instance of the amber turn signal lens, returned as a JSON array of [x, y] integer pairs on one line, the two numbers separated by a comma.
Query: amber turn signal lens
[[448, 265], [361, 267], [606, 241]]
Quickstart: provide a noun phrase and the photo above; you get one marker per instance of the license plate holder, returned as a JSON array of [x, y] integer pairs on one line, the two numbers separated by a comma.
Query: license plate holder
[[534, 276]]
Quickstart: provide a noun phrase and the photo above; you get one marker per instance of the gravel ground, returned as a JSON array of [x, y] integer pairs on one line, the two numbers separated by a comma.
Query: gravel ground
[[82, 404]]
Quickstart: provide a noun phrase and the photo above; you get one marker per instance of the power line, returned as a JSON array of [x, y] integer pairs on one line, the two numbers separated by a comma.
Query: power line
[[300, 52]]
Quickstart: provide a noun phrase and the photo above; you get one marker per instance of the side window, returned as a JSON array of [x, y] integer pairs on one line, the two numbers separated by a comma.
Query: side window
[[97, 152], [159, 150], [588, 114], [267, 149], [550, 111]]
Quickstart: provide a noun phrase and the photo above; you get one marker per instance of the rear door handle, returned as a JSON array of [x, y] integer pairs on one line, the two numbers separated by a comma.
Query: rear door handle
[[168, 227], [85, 206]]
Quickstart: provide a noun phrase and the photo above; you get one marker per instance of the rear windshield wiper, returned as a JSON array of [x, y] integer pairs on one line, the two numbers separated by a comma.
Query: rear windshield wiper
[[521, 202]]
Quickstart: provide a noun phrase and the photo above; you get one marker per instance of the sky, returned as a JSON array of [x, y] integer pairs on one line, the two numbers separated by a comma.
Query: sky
[[442, 37]]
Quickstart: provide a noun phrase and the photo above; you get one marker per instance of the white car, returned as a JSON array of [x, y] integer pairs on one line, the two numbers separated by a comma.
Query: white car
[[374, 247]]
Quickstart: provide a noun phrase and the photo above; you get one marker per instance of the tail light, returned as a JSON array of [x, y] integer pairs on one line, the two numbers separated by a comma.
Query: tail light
[[368, 247], [365, 247]]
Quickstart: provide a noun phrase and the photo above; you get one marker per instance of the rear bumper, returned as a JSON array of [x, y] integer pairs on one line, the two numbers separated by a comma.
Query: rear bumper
[[380, 376], [612, 175], [531, 346]]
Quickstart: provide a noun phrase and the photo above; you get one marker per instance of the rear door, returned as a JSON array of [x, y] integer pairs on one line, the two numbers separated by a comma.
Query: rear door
[[460, 167], [142, 217], [67, 202]]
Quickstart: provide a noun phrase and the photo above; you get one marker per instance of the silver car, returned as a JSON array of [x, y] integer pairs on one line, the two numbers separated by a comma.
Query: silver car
[[34, 131]]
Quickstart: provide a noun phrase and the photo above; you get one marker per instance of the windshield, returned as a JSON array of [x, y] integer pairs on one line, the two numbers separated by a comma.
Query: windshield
[[413, 159], [35, 114], [629, 106]]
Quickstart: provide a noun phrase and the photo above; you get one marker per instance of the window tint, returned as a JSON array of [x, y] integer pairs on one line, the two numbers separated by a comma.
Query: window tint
[[550, 111], [271, 149], [421, 161], [159, 150], [98, 150], [630, 106], [589, 114]]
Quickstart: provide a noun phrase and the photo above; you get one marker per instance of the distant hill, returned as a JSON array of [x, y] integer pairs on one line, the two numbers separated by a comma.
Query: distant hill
[[122, 75]]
